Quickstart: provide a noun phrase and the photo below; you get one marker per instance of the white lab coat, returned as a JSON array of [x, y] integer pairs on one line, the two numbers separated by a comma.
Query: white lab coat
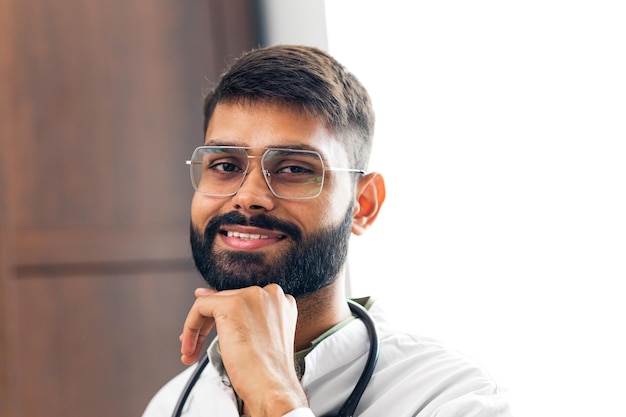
[[415, 376]]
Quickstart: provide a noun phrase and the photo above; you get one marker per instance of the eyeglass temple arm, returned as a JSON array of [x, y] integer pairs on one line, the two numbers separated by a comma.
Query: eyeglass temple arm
[[360, 171]]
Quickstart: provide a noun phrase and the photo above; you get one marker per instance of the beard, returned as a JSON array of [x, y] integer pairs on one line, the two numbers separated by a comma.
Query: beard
[[311, 263]]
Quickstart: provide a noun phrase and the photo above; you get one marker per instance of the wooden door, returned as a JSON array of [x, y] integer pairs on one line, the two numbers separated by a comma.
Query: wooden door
[[100, 106]]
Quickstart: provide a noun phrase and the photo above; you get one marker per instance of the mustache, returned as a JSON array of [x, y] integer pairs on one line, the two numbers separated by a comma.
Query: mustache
[[263, 221]]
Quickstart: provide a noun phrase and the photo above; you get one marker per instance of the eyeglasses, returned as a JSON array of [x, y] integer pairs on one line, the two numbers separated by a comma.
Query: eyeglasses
[[289, 173]]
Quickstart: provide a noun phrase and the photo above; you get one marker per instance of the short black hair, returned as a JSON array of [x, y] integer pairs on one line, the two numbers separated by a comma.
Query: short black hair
[[307, 79]]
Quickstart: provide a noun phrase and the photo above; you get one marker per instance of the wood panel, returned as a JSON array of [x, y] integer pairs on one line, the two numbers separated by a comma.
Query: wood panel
[[101, 106], [7, 298], [98, 343]]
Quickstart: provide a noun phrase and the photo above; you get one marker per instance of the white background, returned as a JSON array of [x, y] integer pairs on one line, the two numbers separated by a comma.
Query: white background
[[501, 133]]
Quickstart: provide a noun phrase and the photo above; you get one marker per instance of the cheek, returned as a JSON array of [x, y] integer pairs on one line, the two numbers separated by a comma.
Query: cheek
[[202, 209], [333, 207]]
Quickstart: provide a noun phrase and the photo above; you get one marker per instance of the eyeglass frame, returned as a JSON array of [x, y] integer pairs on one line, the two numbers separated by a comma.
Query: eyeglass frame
[[265, 172]]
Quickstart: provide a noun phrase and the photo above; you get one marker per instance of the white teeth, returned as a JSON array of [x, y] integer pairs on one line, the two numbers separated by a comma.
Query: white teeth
[[246, 236]]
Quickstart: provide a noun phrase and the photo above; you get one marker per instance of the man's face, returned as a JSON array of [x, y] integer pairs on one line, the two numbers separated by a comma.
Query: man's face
[[255, 238]]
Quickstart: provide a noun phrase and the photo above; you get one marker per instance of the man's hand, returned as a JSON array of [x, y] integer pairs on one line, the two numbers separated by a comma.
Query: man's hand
[[256, 328]]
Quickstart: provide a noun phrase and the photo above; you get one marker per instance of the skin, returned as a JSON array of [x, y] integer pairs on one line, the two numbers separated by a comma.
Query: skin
[[259, 328]]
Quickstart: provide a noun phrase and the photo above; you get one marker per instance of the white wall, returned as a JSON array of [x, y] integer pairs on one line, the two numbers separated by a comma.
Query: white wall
[[501, 132], [294, 22]]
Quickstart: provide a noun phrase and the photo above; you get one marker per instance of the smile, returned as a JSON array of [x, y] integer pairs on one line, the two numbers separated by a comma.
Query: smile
[[246, 236]]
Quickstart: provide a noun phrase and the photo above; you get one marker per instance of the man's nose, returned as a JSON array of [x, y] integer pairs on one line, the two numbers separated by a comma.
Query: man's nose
[[254, 193]]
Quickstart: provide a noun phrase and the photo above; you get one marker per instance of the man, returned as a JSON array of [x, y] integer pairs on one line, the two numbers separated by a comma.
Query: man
[[280, 186]]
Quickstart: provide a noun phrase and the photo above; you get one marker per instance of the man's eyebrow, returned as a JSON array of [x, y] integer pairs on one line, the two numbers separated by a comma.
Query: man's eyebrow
[[221, 142], [297, 146]]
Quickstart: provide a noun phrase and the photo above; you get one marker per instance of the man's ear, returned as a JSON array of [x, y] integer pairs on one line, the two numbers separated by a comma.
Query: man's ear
[[370, 195]]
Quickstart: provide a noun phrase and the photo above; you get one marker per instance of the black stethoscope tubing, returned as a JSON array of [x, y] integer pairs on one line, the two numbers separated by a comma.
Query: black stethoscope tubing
[[348, 408]]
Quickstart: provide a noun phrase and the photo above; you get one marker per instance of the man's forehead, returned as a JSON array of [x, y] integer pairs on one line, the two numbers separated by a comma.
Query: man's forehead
[[267, 125]]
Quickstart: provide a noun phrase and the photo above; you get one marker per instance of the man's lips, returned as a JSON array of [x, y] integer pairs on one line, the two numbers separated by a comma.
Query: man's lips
[[249, 237], [248, 232]]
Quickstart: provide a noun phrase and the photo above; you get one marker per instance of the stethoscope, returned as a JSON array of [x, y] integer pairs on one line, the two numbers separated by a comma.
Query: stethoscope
[[348, 408]]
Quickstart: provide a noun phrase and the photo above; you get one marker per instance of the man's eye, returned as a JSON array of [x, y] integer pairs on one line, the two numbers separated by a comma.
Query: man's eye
[[225, 167], [294, 169]]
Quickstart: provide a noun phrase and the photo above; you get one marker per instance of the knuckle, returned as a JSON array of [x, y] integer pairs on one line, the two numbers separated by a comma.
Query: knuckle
[[274, 289]]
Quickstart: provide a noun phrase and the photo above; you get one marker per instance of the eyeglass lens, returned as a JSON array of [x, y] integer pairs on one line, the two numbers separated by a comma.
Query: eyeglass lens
[[220, 171]]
